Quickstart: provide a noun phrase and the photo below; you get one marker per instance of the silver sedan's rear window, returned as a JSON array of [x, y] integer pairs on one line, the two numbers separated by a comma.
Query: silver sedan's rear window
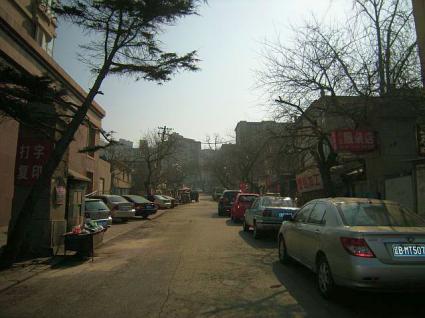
[[368, 214], [95, 205], [277, 202]]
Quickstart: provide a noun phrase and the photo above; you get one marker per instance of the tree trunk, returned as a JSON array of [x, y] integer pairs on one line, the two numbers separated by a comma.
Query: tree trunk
[[325, 162], [328, 185]]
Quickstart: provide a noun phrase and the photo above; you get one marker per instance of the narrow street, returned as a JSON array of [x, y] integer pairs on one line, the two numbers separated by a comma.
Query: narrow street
[[190, 263]]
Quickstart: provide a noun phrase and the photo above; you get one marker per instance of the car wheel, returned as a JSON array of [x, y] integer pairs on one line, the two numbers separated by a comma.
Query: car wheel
[[245, 226], [257, 232], [283, 253], [325, 282]]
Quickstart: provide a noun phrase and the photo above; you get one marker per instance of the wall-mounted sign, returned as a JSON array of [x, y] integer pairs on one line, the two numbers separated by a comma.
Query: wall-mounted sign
[[60, 192], [309, 180], [31, 155], [420, 134], [353, 140]]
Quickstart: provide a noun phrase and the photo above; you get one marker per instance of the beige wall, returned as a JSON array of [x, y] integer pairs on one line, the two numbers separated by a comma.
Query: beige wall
[[121, 178], [23, 12], [104, 172]]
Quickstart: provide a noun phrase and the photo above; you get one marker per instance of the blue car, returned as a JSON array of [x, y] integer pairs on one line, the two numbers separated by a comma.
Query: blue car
[[267, 214]]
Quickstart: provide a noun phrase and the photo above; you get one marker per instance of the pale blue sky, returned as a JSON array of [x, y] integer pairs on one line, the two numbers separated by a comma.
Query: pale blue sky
[[228, 36]]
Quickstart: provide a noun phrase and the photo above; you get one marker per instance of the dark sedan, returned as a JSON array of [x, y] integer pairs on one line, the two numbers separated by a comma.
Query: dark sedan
[[143, 207]]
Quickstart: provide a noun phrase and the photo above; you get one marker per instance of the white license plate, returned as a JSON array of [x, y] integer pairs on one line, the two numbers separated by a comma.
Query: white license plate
[[283, 214], [411, 250], [103, 223]]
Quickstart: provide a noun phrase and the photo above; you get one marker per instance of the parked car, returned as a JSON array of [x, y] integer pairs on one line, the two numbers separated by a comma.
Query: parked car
[[96, 210], [357, 242], [242, 202], [143, 206], [226, 201], [184, 196], [218, 192], [174, 202], [150, 197], [162, 202], [120, 208], [267, 214], [194, 196]]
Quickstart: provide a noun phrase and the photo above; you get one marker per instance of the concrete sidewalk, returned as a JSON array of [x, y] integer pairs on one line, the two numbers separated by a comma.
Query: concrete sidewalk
[[23, 271]]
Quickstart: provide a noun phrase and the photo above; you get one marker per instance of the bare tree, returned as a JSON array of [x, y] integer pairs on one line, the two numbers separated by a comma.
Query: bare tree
[[372, 54], [153, 150], [125, 34], [221, 163]]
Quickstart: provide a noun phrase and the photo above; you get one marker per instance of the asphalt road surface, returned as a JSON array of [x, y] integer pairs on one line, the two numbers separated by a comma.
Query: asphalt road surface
[[191, 263]]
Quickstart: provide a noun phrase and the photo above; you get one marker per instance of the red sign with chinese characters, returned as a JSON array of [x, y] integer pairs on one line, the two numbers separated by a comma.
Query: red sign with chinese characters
[[309, 181], [31, 155], [353, 140]]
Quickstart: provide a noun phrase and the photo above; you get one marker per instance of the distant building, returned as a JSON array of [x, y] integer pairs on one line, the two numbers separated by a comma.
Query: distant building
[[262, 143], [208, 180], [187, 155]]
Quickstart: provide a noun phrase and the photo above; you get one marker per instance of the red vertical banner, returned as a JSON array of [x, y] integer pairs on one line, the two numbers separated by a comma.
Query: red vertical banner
[[31, 156]]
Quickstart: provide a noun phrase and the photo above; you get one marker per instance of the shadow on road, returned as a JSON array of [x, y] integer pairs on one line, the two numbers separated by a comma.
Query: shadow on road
[[215, 215], [262, 307], [267, 242], [70, 261], [229, 222], [301, 284]]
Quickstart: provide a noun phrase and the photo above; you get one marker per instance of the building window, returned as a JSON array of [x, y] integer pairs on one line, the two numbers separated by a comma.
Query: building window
[[91, 139], [90, 185]]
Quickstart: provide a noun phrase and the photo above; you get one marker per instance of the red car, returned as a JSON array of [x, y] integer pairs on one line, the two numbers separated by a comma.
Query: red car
[[242, 202]]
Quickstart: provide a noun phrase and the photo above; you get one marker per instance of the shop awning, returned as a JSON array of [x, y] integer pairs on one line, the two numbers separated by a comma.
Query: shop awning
[[77, 176]]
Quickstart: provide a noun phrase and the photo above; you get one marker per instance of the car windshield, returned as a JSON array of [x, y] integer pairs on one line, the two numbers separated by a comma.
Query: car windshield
[[230, 195], [277, 202], [137, 199], [247, 198], [117, 199], [95, 205], [369, 214]]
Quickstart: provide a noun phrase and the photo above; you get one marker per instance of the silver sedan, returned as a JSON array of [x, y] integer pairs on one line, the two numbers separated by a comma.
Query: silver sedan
[[358, 243]]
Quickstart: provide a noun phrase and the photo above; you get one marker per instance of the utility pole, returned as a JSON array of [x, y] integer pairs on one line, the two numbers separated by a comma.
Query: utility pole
[[164, 131]]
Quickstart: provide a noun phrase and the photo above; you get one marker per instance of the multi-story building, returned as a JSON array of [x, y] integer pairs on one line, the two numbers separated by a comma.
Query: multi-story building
[[27, 33], [186, 157], [261, 147], [379, 145]]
